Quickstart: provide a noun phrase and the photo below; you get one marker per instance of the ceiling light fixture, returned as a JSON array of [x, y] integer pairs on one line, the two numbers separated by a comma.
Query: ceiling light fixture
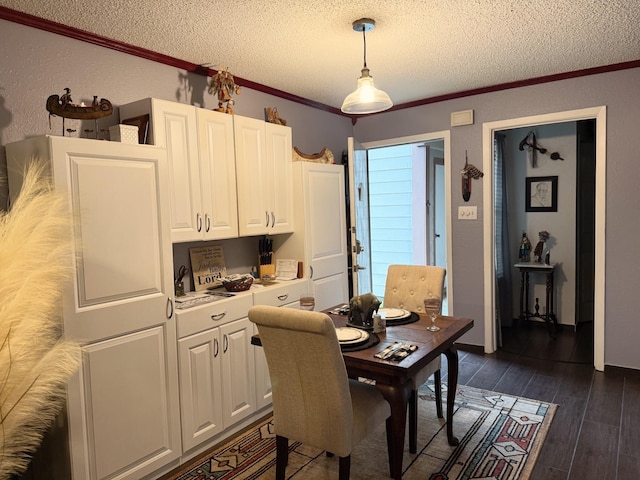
[[366, 98]]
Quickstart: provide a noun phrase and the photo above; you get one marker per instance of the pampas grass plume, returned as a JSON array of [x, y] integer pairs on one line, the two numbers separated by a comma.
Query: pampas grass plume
[[35, 361]]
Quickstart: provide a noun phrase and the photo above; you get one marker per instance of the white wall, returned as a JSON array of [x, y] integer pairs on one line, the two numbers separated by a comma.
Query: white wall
[[561, 225]]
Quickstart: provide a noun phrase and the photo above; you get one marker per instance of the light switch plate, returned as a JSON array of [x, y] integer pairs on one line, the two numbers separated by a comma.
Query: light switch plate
[[468, 212]]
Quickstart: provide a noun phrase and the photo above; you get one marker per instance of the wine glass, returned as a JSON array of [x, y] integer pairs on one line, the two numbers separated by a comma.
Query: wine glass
[[307, 302], [432, 305]]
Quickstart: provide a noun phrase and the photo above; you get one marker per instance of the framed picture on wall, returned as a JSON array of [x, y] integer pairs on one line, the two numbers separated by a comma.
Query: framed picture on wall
[[541, 194]]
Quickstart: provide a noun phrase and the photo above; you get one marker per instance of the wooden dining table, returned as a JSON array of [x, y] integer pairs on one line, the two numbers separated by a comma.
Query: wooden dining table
[[394, 378]]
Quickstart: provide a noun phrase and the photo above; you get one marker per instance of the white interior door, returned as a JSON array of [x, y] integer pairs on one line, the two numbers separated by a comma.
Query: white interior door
[[359, 218]]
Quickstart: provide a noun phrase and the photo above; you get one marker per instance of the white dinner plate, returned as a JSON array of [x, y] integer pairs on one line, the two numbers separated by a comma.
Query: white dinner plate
[[394, 313], [349, 335]]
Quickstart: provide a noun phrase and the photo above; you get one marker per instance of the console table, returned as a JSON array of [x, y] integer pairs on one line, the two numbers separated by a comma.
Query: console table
[[525, 314]]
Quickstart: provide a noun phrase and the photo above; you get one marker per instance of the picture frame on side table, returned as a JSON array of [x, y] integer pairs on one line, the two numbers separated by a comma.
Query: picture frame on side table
[[541, 194]]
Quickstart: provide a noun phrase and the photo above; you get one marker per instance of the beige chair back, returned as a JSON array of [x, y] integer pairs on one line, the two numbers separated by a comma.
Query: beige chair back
[[311, 397], [407, 286]]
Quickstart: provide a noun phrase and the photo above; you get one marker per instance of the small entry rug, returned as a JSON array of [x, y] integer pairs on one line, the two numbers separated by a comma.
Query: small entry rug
[[500, 438]]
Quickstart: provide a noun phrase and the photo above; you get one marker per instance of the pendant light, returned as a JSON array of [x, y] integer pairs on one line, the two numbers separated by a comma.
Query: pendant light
[[366, 98]]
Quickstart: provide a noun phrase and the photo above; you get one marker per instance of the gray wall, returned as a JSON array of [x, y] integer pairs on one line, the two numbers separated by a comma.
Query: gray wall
[[619, 91], [35, 64]]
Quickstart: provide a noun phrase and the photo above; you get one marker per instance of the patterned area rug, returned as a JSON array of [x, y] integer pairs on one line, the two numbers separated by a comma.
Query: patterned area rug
[[500, 437]]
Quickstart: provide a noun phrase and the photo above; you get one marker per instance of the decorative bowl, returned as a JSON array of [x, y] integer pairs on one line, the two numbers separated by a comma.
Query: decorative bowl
[[238, 285]]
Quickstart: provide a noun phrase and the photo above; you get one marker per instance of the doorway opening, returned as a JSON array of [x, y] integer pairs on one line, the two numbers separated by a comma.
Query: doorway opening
[[398, 208], [599, 210], [569, 160]]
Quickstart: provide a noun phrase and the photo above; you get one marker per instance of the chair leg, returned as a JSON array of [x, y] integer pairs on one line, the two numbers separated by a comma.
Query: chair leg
[[437, 380], [282, 456], [413, 421], [345, 468]]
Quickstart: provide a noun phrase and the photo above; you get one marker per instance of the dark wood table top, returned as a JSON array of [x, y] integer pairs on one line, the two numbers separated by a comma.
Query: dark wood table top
[[430, 346]]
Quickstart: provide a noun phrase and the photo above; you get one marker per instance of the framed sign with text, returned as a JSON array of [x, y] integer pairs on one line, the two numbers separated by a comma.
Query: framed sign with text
[[208, 267]]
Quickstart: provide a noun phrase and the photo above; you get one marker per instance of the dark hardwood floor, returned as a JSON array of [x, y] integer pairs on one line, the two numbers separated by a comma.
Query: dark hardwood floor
[[595, 434]]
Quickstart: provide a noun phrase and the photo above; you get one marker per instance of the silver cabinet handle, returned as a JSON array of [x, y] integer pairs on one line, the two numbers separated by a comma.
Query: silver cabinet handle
[[282, 298], [310, 271], [207, 222], [199, 222], [273, 219], [266, 216], [219, 316], [216, 348], [169, 307], [226, 344]]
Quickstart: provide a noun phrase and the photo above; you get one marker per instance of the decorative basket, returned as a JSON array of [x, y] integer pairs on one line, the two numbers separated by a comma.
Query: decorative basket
[[239, 285]]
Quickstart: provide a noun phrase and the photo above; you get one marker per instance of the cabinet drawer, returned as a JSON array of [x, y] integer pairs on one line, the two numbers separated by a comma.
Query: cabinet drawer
[[198, 319], [281, 294]]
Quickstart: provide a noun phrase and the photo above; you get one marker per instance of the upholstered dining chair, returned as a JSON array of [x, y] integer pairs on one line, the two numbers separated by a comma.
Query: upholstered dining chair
[[405, 287], [314, 402]]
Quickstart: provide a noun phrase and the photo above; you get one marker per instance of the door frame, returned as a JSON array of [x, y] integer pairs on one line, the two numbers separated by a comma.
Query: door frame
[[488, 130], [445, 136]]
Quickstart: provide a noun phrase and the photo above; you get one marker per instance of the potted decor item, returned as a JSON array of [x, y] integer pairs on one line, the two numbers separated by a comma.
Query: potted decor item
[[224, 87], [537, 252]]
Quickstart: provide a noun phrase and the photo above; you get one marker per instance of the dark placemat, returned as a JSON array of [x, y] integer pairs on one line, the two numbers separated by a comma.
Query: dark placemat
[[414, 317], [371, 341]]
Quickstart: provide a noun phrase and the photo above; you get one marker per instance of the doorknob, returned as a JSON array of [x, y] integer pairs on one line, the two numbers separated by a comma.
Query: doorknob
[[355, 268], [358, 247]]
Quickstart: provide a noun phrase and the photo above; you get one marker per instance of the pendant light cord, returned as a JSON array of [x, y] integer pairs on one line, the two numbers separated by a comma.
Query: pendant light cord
[[364, 41]]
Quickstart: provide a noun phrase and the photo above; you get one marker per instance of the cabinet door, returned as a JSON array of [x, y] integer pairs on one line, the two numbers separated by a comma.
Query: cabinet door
[[123, 406], [174, 128], [278, 142], [238, 371], [200, 387], [217, 174], [264, 392], [330, 291], [253, 176], [123, 416]]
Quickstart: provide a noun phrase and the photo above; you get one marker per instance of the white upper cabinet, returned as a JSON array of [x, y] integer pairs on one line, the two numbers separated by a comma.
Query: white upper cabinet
[[263, 165], [201, 160], [217, 174]]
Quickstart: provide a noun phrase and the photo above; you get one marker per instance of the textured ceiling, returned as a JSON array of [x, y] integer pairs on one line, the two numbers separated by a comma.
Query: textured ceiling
[[419, 49]]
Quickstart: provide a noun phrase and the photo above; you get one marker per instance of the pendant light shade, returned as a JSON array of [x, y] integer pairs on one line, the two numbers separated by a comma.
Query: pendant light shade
[[366, 98]]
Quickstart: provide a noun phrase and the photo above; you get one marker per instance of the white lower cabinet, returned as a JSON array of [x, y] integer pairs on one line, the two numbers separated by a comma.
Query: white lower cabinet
[[216, 368], [122, 404], [286, 295]]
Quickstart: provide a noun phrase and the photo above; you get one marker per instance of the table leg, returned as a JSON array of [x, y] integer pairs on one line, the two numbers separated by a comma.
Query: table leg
[[522, 304], [397, 396], [452, 385]]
